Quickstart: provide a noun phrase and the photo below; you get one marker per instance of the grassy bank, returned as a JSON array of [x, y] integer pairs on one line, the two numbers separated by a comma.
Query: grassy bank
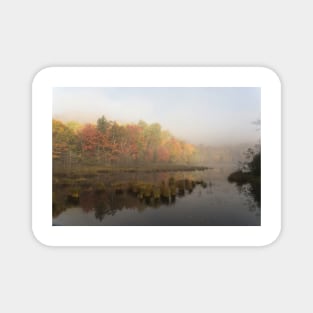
[[89, 171], [242, 178]]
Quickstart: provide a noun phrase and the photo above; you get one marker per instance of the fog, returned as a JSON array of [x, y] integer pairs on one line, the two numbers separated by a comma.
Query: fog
[[209, 116]]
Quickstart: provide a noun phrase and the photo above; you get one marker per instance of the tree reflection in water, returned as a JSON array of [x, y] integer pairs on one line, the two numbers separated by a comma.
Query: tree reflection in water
[[202, 198], [107, 200], [252, 193]]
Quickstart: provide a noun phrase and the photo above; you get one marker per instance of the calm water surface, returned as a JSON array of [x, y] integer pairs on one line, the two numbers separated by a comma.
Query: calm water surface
[[220, 203]]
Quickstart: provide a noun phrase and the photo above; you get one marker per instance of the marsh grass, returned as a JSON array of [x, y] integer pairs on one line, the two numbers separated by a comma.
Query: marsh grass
[[68, 192]]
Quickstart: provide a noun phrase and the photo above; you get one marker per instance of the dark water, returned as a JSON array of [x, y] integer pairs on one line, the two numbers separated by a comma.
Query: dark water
[[216, 203]]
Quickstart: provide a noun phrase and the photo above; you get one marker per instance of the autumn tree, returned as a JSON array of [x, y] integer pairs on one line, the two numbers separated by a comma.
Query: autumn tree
[[74, 126], [89, 138], [63, 143], [108, 142]]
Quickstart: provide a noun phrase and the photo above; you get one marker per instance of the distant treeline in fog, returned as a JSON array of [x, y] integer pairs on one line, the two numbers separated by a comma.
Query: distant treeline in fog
[[215, 155]]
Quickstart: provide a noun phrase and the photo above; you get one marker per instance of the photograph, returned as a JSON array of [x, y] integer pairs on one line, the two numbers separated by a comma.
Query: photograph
[[156, 156]]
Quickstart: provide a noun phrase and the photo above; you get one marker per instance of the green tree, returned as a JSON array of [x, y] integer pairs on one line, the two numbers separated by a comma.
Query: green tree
[[102, 124]]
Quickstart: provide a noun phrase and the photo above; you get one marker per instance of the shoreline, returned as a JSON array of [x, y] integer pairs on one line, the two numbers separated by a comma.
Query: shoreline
[[96, 170]]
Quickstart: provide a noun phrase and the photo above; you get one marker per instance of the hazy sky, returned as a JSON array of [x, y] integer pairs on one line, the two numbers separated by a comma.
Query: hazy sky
[[198, 115]]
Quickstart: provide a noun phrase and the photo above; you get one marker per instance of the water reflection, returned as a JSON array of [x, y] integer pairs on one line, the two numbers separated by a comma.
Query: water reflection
[[134, 195], [252, 193], [199, 198]]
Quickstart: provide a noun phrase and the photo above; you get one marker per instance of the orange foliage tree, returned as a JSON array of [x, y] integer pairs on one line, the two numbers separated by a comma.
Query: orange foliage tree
[[108, 142]]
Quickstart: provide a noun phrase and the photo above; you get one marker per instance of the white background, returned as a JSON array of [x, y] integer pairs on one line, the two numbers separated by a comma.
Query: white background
[[35, 278], [42, 102]]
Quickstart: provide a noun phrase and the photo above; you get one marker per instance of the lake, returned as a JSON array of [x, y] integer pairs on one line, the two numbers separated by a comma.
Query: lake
[[207, 199]]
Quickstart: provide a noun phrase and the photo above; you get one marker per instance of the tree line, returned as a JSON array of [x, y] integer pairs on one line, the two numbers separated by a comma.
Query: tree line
[[110, 143]]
